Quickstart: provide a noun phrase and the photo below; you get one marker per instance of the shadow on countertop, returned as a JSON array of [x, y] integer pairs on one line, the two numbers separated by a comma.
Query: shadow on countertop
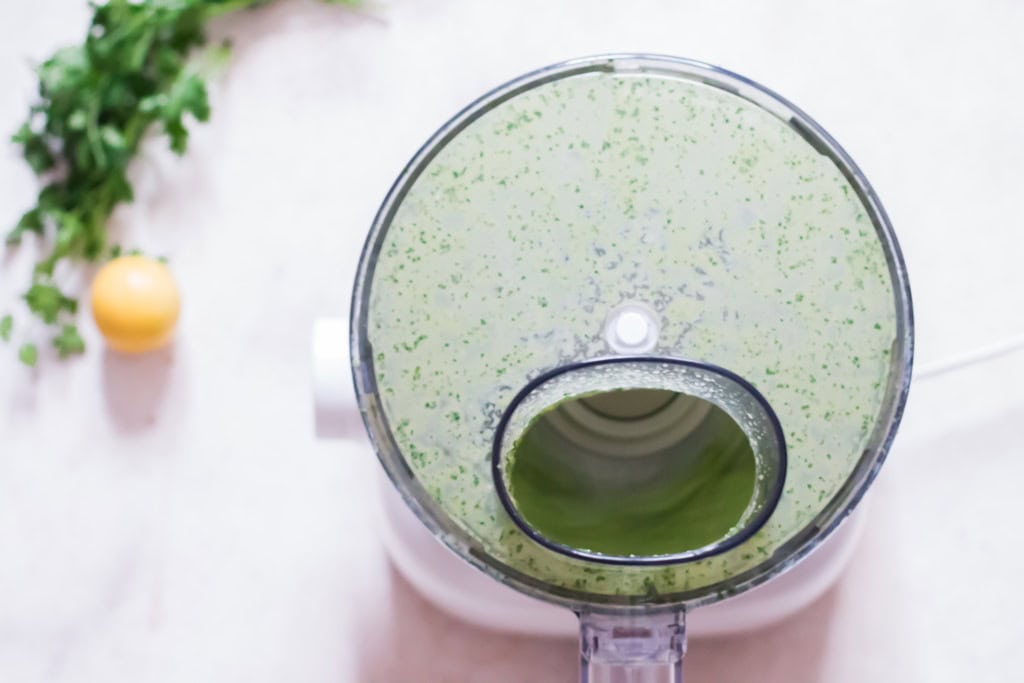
[[791, 651], [411, 640], [134, 386]]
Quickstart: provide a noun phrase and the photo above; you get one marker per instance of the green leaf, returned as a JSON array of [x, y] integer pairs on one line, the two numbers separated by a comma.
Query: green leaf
[[68, 342], [65, 71], [6, 326], [153, 103], [52, 198], [34, 148], [78, 120], [69, 235], [31, 221], [135, 57], [178, 134], [28, 354], [187, 96], [22, 135], [39, 157], [47, 302], [112, 138]]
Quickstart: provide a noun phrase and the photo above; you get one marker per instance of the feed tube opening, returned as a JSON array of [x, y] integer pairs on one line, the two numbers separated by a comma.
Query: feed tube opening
[[634, 460]]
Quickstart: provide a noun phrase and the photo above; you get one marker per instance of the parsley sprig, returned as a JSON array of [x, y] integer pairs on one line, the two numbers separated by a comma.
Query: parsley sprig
[[96, 103]]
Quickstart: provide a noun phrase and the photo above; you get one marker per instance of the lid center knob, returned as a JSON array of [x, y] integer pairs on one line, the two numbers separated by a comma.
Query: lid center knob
[[631, 328]]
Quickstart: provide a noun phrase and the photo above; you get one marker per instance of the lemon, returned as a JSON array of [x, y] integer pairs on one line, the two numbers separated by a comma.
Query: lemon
[[135, 303]]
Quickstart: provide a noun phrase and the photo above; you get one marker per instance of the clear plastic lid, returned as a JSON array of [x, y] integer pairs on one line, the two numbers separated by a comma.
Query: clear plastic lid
[[634, 183]]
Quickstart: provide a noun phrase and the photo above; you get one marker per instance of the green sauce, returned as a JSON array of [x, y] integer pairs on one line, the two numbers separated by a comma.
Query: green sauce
[[678, 498], [551, 208]]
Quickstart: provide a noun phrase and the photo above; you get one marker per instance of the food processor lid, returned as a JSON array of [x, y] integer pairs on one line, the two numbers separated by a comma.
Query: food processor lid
[[617, 186]]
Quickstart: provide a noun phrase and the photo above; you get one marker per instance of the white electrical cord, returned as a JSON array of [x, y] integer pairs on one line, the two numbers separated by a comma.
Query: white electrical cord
[[986, 353]]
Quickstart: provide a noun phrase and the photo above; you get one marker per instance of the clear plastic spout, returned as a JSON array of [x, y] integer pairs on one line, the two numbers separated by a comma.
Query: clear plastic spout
[[641, 647]]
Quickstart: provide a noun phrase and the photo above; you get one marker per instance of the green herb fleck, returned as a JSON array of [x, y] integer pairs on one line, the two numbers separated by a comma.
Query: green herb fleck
[[28, 354], [68, 342], [47, 302]]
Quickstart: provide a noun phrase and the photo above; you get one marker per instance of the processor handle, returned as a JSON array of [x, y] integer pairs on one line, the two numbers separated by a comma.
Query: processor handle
[[632, 647], [335, 410]]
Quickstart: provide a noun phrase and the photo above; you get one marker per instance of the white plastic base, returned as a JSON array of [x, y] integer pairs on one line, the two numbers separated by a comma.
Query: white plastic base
[[459, 589]]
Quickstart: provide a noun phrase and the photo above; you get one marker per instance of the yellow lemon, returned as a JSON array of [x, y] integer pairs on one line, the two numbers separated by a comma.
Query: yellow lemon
[[135, 303]]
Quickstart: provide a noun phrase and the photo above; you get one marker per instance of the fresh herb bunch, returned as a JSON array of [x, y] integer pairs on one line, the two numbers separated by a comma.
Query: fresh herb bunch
[[96, 103]]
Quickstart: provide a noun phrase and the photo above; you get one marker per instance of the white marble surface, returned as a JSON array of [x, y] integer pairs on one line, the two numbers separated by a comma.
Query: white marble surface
[[171, 517]]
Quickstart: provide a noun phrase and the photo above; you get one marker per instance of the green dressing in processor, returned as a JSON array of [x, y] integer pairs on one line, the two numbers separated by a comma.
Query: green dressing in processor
[[574, 196], [676, 499]]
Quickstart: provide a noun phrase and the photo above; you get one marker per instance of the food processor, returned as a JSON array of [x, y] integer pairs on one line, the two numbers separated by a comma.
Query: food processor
[[631, 335]]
